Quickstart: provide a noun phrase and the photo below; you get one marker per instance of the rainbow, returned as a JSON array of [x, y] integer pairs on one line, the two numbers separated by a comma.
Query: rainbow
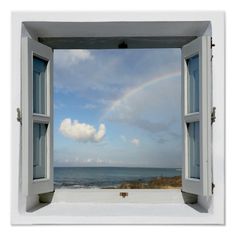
[[137, 89]]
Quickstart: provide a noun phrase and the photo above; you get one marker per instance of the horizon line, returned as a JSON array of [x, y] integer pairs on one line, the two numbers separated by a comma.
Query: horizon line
[[117, 167]]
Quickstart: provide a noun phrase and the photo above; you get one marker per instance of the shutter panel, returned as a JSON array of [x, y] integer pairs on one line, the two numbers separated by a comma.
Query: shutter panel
[[37, 117]]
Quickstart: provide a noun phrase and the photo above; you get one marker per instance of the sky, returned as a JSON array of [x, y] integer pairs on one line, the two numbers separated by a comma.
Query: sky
[[119, 107]]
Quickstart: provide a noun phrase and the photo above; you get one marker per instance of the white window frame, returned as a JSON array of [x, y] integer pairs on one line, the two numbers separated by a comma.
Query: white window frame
[[217, 22]]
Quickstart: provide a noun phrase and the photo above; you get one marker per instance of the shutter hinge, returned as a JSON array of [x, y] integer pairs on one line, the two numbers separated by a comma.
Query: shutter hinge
[[212, 44], [213, 115], [19, 115], [212, 187]]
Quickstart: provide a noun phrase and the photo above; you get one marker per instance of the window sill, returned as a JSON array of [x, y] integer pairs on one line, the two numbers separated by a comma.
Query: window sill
[[115, 213], [71, 206], [113, 196]]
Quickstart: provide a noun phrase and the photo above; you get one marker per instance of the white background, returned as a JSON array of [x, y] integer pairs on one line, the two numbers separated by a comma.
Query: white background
[[8, 6]]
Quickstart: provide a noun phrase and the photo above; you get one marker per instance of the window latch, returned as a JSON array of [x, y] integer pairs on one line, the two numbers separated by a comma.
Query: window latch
[[19, 115], [213, 115]]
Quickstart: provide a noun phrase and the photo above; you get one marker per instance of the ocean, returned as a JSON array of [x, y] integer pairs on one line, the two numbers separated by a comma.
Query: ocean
[[106, 177]]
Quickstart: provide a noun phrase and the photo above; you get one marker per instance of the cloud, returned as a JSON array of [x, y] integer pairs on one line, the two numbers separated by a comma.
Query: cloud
[[59, 105], [82, 132], [110, 71], [85, 157], [100, 134], [135, 141], [154, 108], [152, 127], [90, 106], [71, 57]]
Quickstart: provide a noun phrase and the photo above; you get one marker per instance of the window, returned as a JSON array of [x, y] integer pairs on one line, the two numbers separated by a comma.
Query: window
[[196, 109], [32, 154]]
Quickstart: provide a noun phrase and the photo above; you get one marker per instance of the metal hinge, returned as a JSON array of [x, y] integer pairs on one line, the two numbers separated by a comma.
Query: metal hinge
[[212, 187], [213, 115], [212, 44], [19, 115]]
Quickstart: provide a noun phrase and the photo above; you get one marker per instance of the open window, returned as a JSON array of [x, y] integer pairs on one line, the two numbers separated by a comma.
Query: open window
[[196, 112], [35, 39], [37, 114], [37, 118]]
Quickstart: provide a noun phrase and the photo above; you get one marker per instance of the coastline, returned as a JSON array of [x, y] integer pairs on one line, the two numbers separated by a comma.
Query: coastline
[[155, 183]]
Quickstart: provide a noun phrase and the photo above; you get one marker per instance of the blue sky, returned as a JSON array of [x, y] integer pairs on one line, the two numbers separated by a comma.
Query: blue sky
[[117, 108]]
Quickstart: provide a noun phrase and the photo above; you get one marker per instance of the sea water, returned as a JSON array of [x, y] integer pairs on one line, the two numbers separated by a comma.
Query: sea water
[[106, 177]]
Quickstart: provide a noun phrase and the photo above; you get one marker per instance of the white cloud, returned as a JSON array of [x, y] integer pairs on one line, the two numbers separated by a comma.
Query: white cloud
[[81, 54], [65, 58], [135, 141], [100, 134], [82, 132]]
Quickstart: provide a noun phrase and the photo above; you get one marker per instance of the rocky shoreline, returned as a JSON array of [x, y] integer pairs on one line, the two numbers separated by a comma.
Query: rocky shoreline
[[156, 183]]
